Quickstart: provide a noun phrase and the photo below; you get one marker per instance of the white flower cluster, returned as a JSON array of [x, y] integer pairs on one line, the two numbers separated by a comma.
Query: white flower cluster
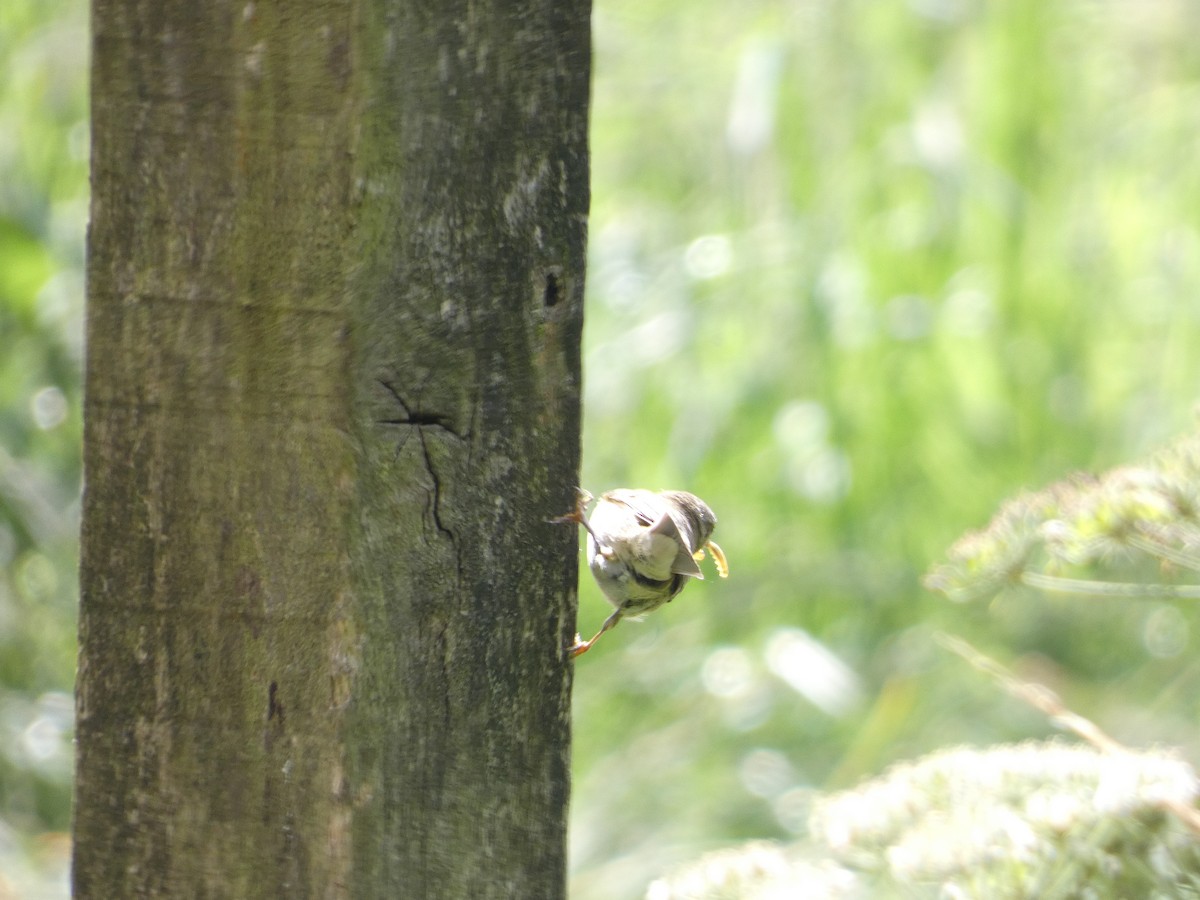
[[1028, 820], [756, 871], [1014, 818]]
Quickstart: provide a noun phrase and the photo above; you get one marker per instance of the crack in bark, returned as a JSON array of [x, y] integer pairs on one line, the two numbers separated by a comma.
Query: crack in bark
[[435, 495], [417, 420]]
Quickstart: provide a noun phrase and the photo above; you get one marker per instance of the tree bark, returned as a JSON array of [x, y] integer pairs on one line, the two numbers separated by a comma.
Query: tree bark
[[335, 281]]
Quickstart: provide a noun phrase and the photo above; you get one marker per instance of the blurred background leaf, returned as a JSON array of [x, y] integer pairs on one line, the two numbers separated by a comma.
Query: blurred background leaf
[[859, 272]]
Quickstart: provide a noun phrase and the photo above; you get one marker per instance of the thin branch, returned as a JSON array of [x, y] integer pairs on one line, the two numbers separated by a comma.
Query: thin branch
[[1164, 551], [1046, 701], [1057, 584]]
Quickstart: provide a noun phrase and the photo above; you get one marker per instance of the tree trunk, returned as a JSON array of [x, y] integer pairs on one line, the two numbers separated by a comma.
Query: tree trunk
[[335, 285]]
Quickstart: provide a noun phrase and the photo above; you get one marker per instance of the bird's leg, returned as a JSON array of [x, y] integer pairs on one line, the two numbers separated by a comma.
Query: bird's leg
[[576, 516], [581, 647]]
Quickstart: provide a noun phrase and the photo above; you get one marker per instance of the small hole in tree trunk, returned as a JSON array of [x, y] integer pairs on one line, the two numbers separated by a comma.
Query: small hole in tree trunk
[[550, 296]]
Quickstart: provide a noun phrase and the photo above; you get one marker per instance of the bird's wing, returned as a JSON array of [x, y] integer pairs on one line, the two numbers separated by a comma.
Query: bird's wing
[[654, 512]]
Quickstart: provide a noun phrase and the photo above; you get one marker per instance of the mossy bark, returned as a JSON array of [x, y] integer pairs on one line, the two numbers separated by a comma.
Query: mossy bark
[[335, 283]]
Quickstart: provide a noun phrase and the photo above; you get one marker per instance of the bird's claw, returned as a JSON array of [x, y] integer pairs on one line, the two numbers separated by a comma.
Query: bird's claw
[[575, 516]]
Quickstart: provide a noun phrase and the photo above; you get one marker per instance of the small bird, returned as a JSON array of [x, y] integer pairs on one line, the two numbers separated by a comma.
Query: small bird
[[642, 548]]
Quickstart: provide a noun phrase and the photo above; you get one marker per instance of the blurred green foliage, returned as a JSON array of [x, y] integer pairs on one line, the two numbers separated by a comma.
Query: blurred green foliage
[[859, 271], [43, 210]]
